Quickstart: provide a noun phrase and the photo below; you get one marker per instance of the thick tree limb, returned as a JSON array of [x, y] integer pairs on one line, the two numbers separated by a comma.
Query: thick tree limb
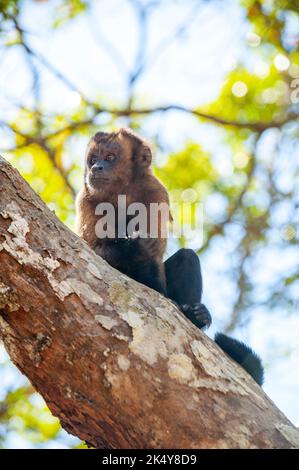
[[114, 360]]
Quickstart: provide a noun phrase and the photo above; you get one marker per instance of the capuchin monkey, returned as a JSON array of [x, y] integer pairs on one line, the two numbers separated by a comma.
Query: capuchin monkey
[[118, 164]]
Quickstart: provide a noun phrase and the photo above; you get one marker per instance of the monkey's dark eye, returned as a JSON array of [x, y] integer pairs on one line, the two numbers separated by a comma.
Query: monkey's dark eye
[[92, 160], [110, 158]]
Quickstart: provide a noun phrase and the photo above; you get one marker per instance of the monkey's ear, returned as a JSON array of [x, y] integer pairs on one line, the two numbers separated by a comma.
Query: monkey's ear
[[145, 157]]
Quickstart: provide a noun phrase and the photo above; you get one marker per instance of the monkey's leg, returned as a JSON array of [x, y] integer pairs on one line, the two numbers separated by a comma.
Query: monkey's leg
[[184, 286], [149, 274]]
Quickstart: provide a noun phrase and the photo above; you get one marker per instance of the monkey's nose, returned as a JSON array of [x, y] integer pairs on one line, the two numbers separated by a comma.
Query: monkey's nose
[[97, 167]]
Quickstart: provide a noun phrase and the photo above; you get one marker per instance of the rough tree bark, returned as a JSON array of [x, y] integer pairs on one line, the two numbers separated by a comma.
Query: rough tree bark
[[115, 361]]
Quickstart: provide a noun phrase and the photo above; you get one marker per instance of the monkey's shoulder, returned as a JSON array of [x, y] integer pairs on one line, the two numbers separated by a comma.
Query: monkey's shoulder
[[151, 189]]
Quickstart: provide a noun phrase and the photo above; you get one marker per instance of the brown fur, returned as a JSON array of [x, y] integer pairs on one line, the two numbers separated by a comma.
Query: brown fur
[[132, 176]]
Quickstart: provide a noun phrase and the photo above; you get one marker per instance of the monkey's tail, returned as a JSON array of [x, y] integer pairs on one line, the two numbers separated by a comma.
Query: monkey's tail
[[242, 354]]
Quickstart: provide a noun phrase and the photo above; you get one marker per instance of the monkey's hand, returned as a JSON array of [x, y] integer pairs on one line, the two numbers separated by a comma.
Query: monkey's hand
[[198, 314]]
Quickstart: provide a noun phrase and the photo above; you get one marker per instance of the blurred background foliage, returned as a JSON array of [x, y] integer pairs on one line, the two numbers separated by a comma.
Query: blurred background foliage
[[215, 86]]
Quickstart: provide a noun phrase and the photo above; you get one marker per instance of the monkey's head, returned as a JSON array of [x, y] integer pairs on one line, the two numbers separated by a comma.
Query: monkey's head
[[115, 159]]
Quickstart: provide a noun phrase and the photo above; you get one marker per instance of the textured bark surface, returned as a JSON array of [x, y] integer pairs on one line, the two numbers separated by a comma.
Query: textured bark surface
[[115, 361]]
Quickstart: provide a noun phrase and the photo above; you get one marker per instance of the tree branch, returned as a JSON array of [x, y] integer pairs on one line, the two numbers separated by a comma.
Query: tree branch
[[115, 361], [258, 127]]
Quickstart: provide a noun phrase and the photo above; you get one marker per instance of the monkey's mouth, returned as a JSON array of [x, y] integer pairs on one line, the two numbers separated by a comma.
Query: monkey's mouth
[[96, 180]]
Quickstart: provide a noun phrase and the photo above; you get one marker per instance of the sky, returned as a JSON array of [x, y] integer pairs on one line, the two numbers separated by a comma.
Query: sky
[[188, 72]]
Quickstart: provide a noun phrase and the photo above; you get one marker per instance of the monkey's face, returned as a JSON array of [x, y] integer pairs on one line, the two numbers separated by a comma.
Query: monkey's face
[[113, 159], [106, 164]]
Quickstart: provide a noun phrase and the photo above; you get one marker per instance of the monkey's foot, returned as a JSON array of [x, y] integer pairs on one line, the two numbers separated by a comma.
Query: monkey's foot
[[198, 314]]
